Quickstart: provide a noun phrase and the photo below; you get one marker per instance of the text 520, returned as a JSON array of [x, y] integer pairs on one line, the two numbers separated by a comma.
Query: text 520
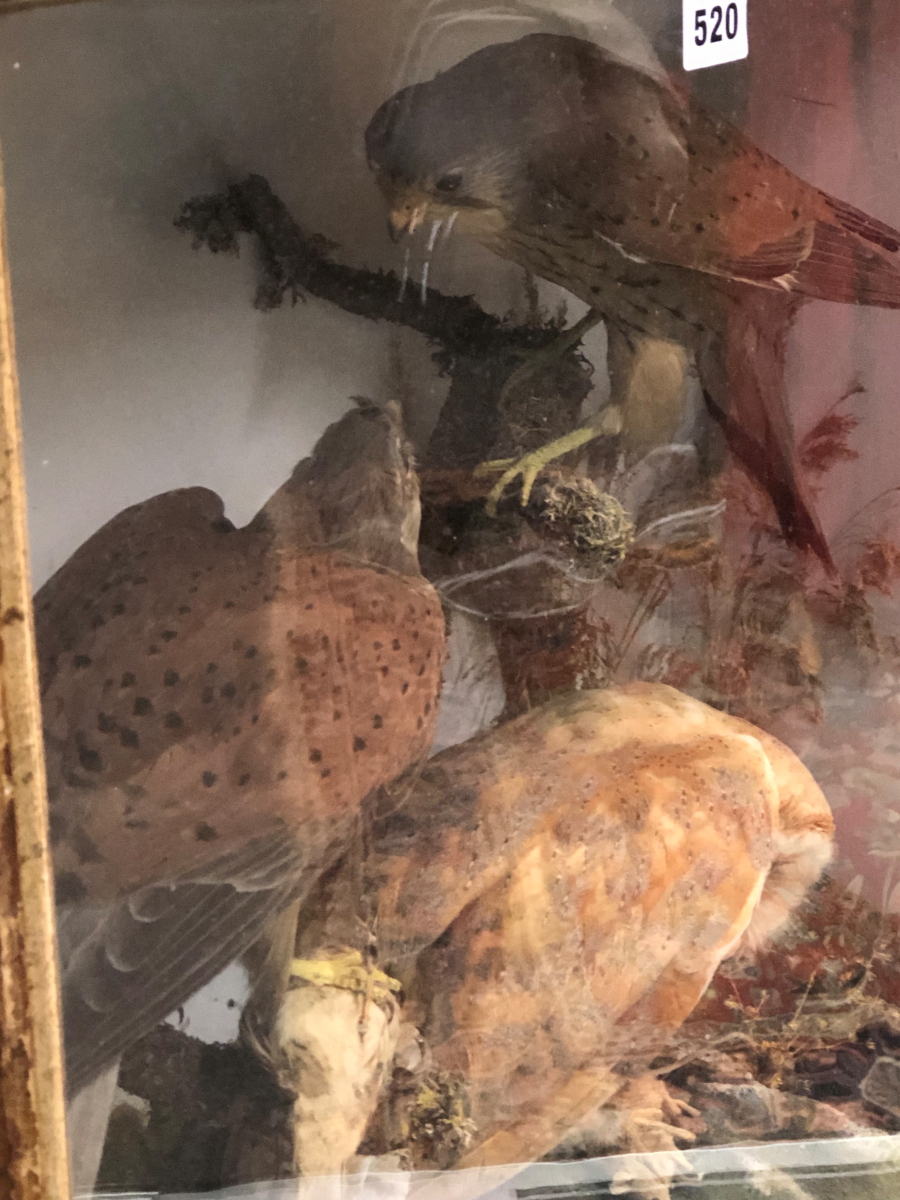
[[721, 23]]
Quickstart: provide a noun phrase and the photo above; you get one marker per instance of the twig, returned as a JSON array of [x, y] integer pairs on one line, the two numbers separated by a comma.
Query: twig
[[296, 263], [479, 350]]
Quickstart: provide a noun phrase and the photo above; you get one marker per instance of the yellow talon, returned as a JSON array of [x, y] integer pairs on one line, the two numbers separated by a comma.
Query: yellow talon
[[530, 465], [347, 970], [496, 464]]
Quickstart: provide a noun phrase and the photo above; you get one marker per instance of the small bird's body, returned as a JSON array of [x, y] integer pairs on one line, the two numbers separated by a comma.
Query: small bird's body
[[217, 702], [658, 214]]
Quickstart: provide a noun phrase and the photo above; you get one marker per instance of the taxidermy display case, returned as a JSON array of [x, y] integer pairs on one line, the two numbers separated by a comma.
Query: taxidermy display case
[[460, 457]]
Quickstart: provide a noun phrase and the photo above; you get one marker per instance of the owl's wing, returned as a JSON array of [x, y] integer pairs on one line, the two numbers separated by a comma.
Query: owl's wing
[[155, 948], [670, 182], [656, 828]]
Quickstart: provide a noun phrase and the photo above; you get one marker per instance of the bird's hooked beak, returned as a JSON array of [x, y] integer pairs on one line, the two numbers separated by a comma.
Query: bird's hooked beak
[[407, 210], [401, 222]]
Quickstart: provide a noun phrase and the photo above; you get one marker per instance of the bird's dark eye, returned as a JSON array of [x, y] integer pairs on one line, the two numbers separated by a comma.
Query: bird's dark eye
[[451, 182]]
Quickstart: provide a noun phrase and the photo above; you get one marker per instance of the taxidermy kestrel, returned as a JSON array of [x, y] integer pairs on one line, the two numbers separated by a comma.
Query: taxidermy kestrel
[[554, 896], [217, 702], [661, 216]]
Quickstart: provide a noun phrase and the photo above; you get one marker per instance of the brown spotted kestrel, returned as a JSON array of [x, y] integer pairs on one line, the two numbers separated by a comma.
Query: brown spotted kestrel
[[217, 703]]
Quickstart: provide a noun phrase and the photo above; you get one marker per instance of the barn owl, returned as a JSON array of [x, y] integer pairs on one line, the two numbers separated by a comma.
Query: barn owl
[[553, 898]]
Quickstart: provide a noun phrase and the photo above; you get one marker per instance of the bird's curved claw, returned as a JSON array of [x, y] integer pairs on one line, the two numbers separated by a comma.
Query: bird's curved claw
[[529, 466], [649, 1119]]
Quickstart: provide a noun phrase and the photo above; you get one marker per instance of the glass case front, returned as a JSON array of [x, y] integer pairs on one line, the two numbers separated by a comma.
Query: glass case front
[[462, 480]]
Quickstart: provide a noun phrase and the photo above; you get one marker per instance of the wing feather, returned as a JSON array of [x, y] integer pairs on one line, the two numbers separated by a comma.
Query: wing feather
[[727, 208], [176, 527], [154, 949], [844, 266]]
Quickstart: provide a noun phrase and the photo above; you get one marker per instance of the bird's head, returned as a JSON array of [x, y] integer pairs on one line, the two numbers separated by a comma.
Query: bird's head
[[358, 491], [494, 142], [429, 169], [362, 474], [463, 144]]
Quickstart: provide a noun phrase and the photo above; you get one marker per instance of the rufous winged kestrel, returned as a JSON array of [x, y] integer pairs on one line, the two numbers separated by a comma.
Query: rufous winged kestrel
[[660, 215]]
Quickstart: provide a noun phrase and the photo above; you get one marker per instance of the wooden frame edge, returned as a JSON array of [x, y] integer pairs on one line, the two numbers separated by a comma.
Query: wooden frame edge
[[33, 1151], [11, 6]]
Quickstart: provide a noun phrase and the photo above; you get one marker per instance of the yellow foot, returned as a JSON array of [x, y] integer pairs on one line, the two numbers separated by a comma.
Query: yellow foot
[[649, 1129], [530, 465], [345, 969], [649, 1113]]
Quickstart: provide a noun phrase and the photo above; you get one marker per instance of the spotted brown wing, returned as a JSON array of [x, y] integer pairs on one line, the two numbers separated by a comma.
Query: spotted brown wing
[[217, 702]]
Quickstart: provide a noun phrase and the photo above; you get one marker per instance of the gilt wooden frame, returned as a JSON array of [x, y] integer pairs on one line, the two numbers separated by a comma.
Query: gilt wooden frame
[[33, 1153]]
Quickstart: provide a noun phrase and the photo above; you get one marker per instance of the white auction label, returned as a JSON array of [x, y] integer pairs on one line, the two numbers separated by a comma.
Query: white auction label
[[714, 33]]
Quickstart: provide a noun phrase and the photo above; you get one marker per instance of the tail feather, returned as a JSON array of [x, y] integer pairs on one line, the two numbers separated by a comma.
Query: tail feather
[[777, 477], [870, 228], [744, 389]]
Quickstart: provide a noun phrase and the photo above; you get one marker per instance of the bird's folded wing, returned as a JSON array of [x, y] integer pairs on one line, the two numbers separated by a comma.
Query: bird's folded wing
[[846, 257], [850, 266], [155, 948], [172, 531], [723, 205]]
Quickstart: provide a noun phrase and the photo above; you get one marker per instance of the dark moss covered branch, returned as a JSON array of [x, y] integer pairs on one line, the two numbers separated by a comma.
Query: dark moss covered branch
[[296, 263], [478, 350]]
